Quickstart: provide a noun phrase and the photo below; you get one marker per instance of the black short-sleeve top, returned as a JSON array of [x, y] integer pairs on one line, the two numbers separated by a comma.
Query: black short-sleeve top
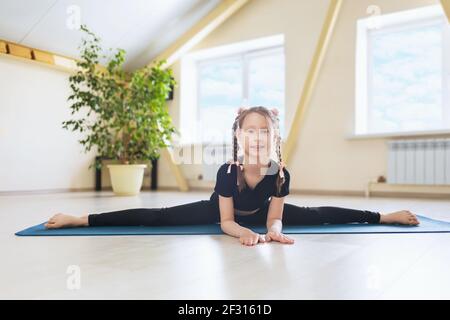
[[249, 199]]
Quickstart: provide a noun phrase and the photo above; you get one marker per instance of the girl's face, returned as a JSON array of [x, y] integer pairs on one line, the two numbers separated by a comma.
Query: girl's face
[[255, 138]]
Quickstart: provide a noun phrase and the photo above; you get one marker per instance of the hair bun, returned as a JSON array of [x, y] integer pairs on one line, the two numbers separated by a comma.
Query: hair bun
[[240, 110], [274, 111]]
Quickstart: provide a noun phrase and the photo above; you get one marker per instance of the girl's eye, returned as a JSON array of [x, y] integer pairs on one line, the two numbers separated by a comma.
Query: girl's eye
[[260, 131]]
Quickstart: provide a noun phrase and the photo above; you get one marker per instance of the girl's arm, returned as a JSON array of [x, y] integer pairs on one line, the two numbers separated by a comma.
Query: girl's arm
[[227, 223], [275, 214], [274, 220]]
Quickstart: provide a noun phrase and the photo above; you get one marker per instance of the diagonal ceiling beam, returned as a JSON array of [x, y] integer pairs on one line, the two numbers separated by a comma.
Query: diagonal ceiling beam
[[200, 30], [311, 78], [446, 6]]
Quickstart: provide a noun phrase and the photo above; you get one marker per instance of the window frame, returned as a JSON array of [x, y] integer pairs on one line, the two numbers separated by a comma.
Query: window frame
[[189, 106], [397, 21]]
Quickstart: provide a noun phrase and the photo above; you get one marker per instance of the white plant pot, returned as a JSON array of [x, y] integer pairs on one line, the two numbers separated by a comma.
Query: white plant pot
[[126, 179]]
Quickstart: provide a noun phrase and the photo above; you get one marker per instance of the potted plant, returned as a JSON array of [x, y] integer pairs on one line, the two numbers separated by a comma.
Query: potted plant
[[126, 117]]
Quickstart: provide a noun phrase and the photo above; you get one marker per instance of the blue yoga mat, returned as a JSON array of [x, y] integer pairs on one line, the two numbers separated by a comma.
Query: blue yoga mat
[[427, 225]]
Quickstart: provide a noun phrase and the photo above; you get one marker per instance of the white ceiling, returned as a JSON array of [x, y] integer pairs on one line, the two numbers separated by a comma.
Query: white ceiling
[[144, 28]]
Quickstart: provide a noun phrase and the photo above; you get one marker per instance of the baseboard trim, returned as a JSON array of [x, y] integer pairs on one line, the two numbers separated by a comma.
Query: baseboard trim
[[349, 193]]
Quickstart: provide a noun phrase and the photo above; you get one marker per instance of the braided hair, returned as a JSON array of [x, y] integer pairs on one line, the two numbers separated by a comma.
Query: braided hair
[[272, 114]]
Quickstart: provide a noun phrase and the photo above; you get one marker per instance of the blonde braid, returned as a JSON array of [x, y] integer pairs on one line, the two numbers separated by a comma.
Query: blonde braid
[[276, 122], [240, 181]]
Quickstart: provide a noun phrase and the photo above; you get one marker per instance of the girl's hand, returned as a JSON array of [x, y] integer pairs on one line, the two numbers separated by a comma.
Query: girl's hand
[[250, 238], [278, 236]]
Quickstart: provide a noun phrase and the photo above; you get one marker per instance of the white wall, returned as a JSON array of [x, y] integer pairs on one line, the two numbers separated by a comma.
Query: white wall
[[35, 152]]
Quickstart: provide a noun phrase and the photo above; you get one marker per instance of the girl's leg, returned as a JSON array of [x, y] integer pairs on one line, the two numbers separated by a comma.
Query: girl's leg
[[198, 212], [297, 215]]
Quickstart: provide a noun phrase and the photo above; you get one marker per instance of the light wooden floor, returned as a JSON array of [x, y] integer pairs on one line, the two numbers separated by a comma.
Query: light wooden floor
[[384, 266]]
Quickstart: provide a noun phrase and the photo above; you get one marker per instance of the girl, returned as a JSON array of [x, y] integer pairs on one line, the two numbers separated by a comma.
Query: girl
[[251, 189]]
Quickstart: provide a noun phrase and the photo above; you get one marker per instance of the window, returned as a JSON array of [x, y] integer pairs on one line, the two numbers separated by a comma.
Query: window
[[216, 82], [402, 72]]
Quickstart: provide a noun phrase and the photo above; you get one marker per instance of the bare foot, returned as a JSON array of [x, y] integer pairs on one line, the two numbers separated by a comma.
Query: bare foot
[[61, 220], [400, 217]]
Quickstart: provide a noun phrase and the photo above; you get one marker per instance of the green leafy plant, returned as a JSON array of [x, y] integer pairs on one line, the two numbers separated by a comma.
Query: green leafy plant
[[130, 121]]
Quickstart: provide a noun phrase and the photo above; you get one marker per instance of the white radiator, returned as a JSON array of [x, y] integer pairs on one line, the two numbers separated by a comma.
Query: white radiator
[[419, 161]]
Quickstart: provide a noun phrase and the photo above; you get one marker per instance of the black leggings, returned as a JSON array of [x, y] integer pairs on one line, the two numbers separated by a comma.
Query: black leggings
[[207, 212]]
